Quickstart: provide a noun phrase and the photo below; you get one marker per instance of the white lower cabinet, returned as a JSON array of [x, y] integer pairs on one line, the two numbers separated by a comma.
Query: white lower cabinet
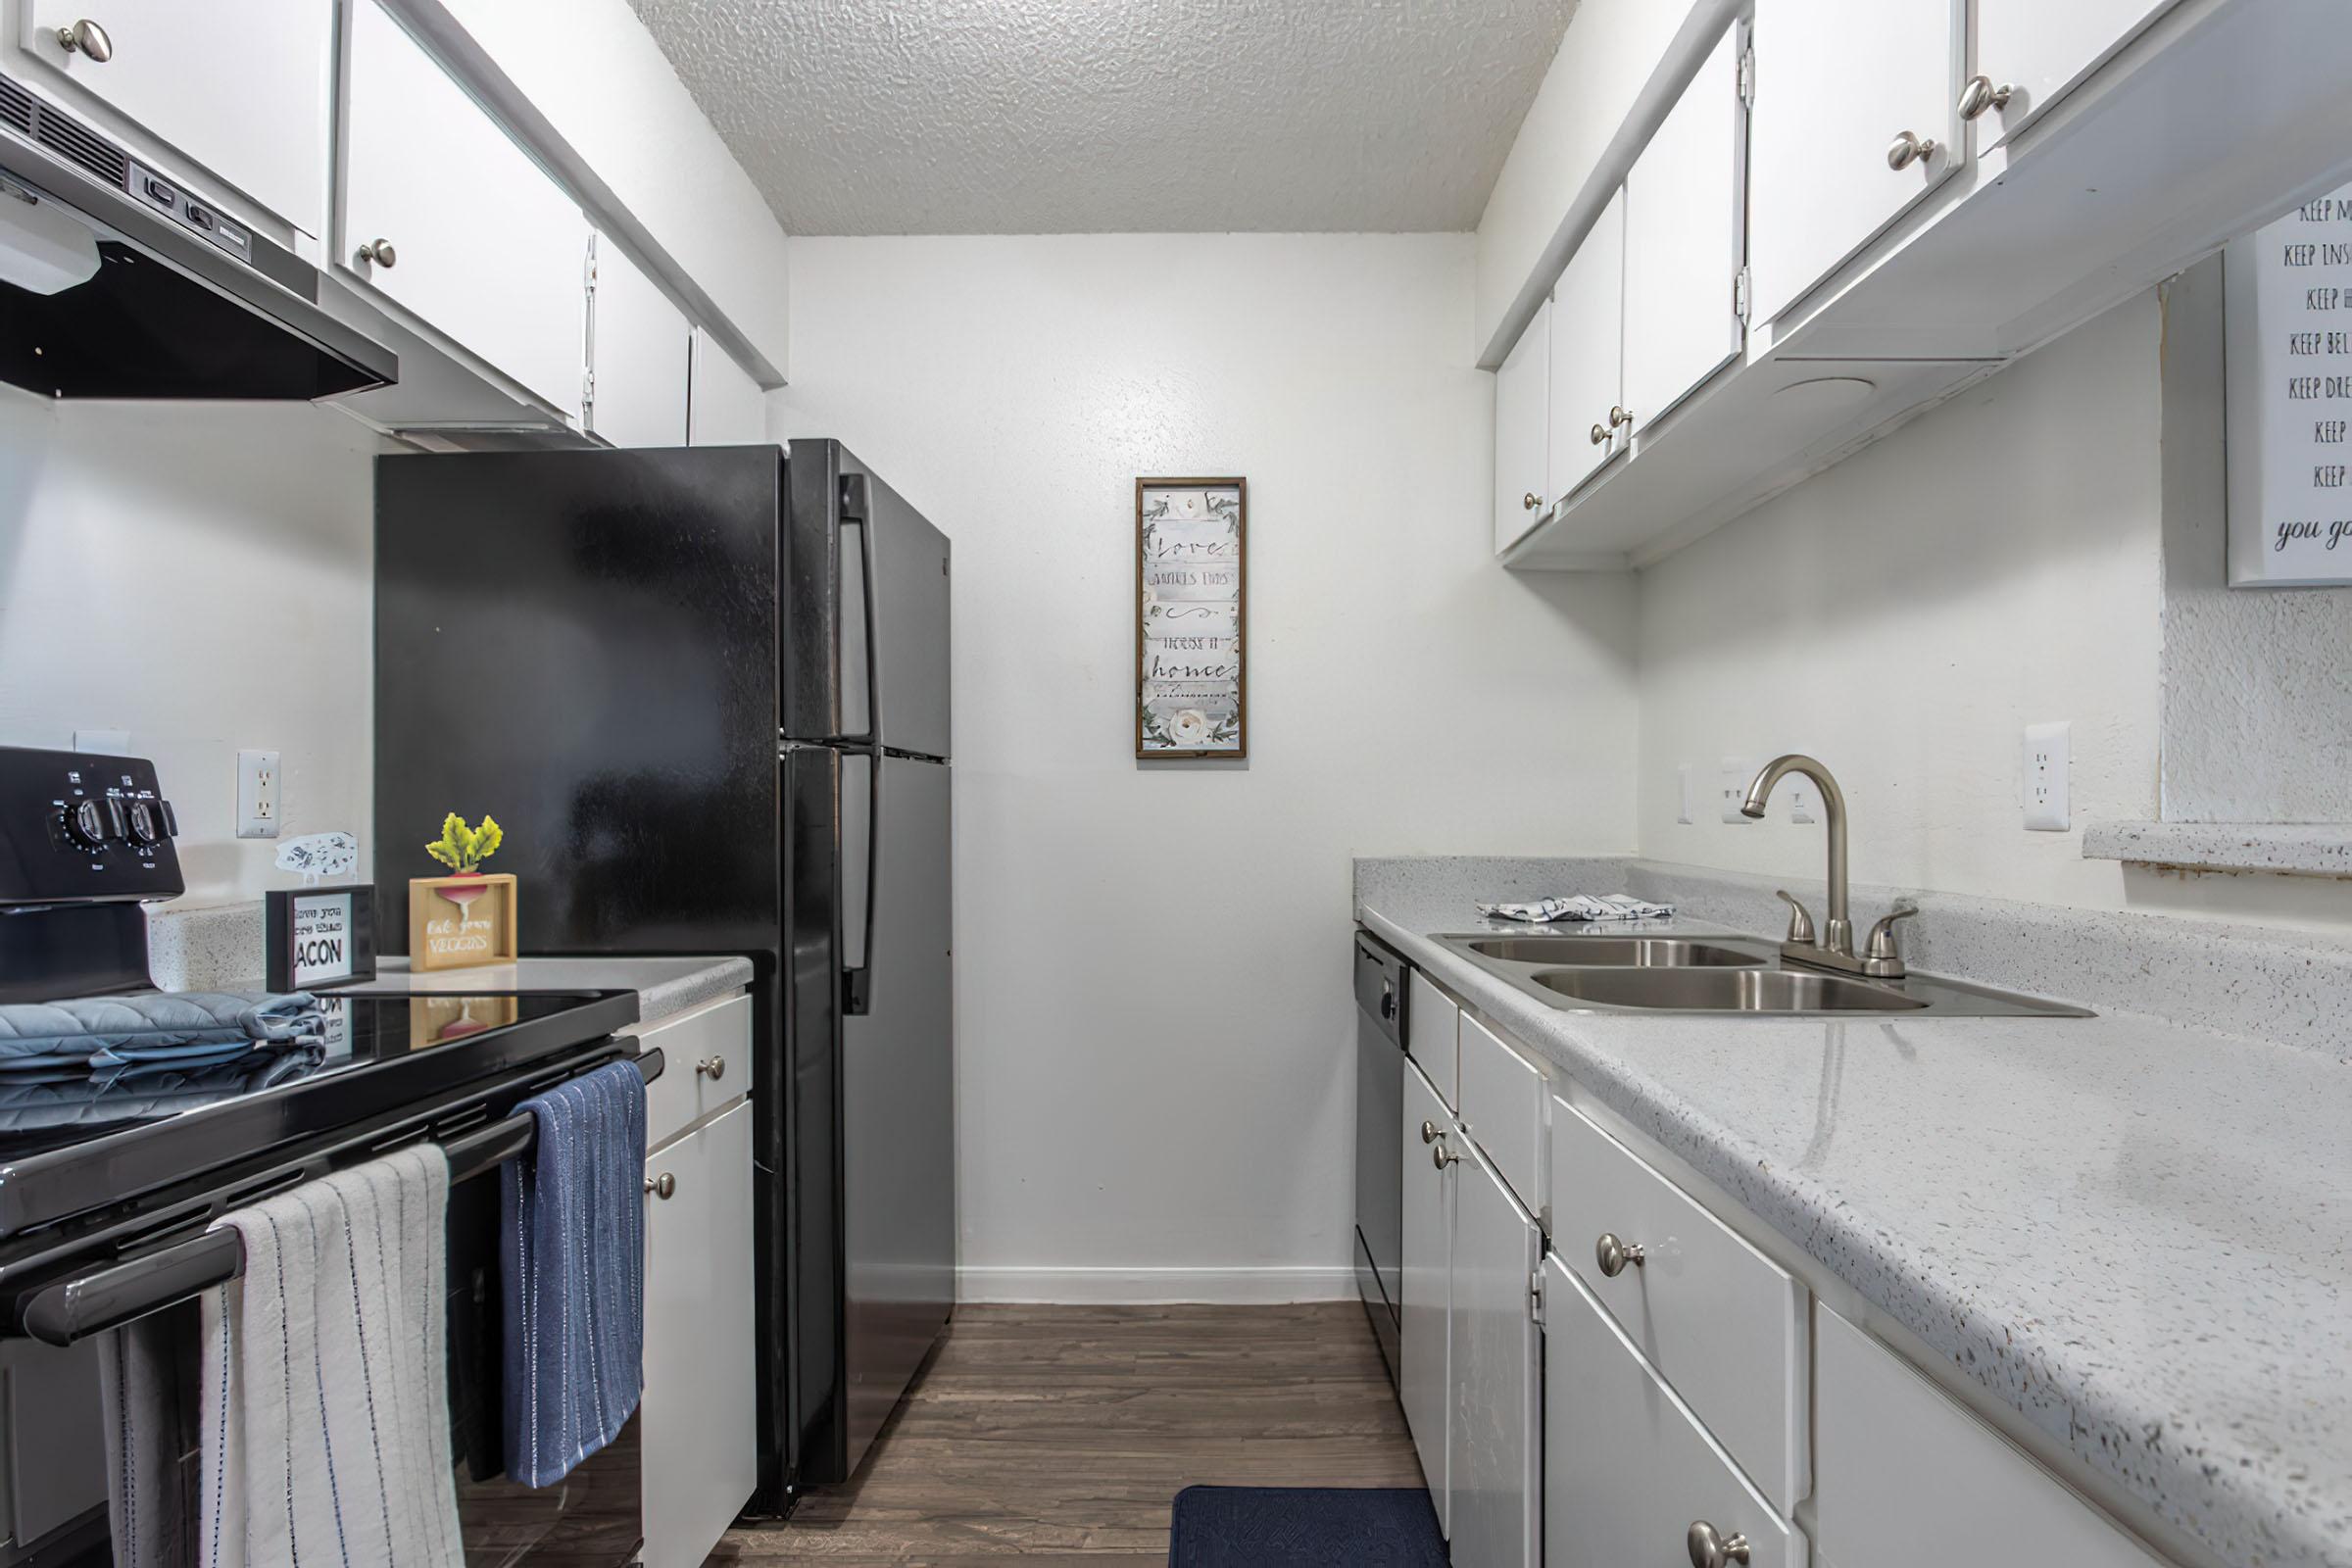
[[1629, 1475], [697, 1419], [1426, 1283], [1494, 1426]]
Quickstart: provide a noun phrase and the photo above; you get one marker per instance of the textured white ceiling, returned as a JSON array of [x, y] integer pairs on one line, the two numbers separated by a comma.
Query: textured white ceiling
[[1015, 116]]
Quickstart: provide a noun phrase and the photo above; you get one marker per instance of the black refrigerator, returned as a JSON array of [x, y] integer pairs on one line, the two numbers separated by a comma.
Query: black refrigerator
[[706, 694]]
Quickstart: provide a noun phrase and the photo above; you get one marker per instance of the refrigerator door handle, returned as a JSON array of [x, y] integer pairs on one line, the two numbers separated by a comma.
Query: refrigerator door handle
[[858, 979], [853, 516]]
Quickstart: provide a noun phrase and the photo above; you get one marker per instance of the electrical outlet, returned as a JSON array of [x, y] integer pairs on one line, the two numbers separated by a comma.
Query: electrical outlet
[[1736, 773], [103, 742], [256, 795], [1689, 794], [1803, 799], [2044, 788]]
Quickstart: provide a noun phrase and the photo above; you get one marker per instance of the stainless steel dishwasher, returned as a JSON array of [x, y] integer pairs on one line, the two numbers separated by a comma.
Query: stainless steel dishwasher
[[1380, 995]]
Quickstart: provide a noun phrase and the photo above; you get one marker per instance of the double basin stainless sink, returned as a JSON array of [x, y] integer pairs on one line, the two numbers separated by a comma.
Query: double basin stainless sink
[[1610, 973]]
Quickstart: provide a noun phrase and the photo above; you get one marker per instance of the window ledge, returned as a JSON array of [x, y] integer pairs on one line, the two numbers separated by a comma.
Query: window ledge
[[2295, 848]]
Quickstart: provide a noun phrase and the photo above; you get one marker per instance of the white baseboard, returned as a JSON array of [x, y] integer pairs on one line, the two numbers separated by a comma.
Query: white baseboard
[[1089, 1287]]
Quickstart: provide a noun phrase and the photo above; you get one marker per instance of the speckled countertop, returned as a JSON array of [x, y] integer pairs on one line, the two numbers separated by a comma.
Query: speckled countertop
[[2137, 1233], [664, 986]]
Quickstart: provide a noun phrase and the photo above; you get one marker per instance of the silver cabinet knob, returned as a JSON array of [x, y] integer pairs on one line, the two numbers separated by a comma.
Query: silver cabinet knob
[[1429, 1132], [1615, 1256], [1618, 417], [86, 37], [662, 1186], [1530, 501], [1980, 94], [1710, 1550], [1908, 149], [1600, 435], [381, 252], [714, 1069], [1441, 1157]]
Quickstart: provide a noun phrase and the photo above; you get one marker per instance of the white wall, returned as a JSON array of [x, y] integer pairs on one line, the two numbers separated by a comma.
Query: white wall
[[197, 575], [1906, 614], [1155, 1032]]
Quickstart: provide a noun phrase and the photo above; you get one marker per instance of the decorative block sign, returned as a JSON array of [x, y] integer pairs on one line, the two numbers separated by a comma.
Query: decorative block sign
[[2289, 304], [461, 922], [319, 937], [1191, 607]]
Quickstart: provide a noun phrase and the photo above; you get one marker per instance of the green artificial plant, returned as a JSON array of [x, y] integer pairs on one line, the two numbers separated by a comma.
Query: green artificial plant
[[464, 849]]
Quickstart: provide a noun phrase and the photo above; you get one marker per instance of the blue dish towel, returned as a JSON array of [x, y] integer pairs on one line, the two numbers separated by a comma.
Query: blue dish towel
[[572, 1262], [176, 1026]]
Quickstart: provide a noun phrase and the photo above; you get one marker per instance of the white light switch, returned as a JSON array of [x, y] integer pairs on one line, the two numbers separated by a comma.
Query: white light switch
[[1737, 772], [256, 795], [2046, 763]]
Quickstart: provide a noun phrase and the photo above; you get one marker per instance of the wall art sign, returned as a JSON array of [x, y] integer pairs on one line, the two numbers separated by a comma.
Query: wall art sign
[[1191, 688], [318, 937], [2289, 321]]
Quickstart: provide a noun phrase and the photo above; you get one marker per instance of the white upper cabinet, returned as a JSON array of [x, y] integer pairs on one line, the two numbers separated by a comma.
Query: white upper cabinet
[[1683, 226], [1522, 386], [237, 87], [1846, 90], [639, 346], [725, 406], [460, 227], [2029, 52], [1494, 1435], [1588, 355]]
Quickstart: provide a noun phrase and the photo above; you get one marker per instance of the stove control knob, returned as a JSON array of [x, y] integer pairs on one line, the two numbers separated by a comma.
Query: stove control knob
[[93, 822], [146, 827]]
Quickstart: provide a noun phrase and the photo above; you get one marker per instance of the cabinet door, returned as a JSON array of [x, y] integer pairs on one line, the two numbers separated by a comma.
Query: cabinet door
[[697, 1415], [1588, 352], [725, 406], [1684, 223], [1493, 1439], [1424, 1295], [1521, 426], [1627, 1470], [637, 350], [486, 248], [2039, 51], [239, 86], [1836, 82]]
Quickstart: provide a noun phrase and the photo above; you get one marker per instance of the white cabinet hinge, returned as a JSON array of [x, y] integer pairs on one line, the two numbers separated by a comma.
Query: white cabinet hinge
[[1742, 291], [587, 399], [1535, 1298], [588, 266], [1748, 77]]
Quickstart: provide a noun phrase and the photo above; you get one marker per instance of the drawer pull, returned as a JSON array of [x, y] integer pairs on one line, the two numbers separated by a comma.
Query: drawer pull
[[714, 1069], [1613, 1257], [662, 1186], [1711, 1550], [1441, 1157]]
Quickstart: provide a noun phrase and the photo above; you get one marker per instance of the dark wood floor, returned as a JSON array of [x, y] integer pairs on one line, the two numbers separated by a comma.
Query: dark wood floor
[[1067, 1430]]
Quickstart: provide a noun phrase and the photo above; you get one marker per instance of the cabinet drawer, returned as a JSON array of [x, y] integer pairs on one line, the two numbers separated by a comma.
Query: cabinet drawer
[[1906, 1475], [1627, 1468], [716, 1035], [1723, 1322], [1502, 1097], [1432, 1033]]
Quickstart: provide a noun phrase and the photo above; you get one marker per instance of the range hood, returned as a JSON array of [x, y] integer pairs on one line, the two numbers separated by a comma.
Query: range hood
[[116, 282]]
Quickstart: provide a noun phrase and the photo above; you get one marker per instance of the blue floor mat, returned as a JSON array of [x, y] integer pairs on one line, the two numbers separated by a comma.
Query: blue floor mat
[[1304, 1527]]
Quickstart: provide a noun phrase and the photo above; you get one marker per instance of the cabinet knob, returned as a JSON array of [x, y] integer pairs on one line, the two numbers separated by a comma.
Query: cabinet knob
[[662, 1186], [1980, 94], [381, 252], [1618, 417], [1600, 435], [1908, 149], [1530, 501], [86, 37], [1710, 1549], [1615, 1256], [1441, 1157], [714, 1069], [1429, 1132]]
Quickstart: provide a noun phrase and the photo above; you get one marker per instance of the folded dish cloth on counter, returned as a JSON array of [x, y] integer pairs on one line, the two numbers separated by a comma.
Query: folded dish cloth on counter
[[573, 1267], [1582, 907], [324, 1403], [180, 1026]]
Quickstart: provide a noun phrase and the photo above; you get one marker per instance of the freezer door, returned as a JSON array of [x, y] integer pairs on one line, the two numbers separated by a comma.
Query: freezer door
[[868, 592], [898, 1122]]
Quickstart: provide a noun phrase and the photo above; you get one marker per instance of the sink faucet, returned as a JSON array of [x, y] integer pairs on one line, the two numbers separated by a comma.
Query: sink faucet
[[1834, 949]]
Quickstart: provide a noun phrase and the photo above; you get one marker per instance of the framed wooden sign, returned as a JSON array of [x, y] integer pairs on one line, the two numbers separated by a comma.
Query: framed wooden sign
[[2288, 290], [461, 922], [319, 937], [1191, 687]]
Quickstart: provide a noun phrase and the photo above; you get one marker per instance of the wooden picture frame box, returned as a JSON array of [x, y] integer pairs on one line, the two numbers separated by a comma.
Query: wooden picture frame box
[[473, 928]]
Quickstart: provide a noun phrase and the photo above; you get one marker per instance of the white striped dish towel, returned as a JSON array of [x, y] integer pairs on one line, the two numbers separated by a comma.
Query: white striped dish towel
[[1580, 906], [325, 1398]]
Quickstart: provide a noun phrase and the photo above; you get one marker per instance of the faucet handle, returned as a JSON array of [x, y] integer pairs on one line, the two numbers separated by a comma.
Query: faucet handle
[[1800, 923], [1880, 956]]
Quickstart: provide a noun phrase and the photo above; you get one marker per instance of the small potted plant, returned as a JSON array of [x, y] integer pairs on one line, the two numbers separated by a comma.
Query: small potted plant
[[481, 928]]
